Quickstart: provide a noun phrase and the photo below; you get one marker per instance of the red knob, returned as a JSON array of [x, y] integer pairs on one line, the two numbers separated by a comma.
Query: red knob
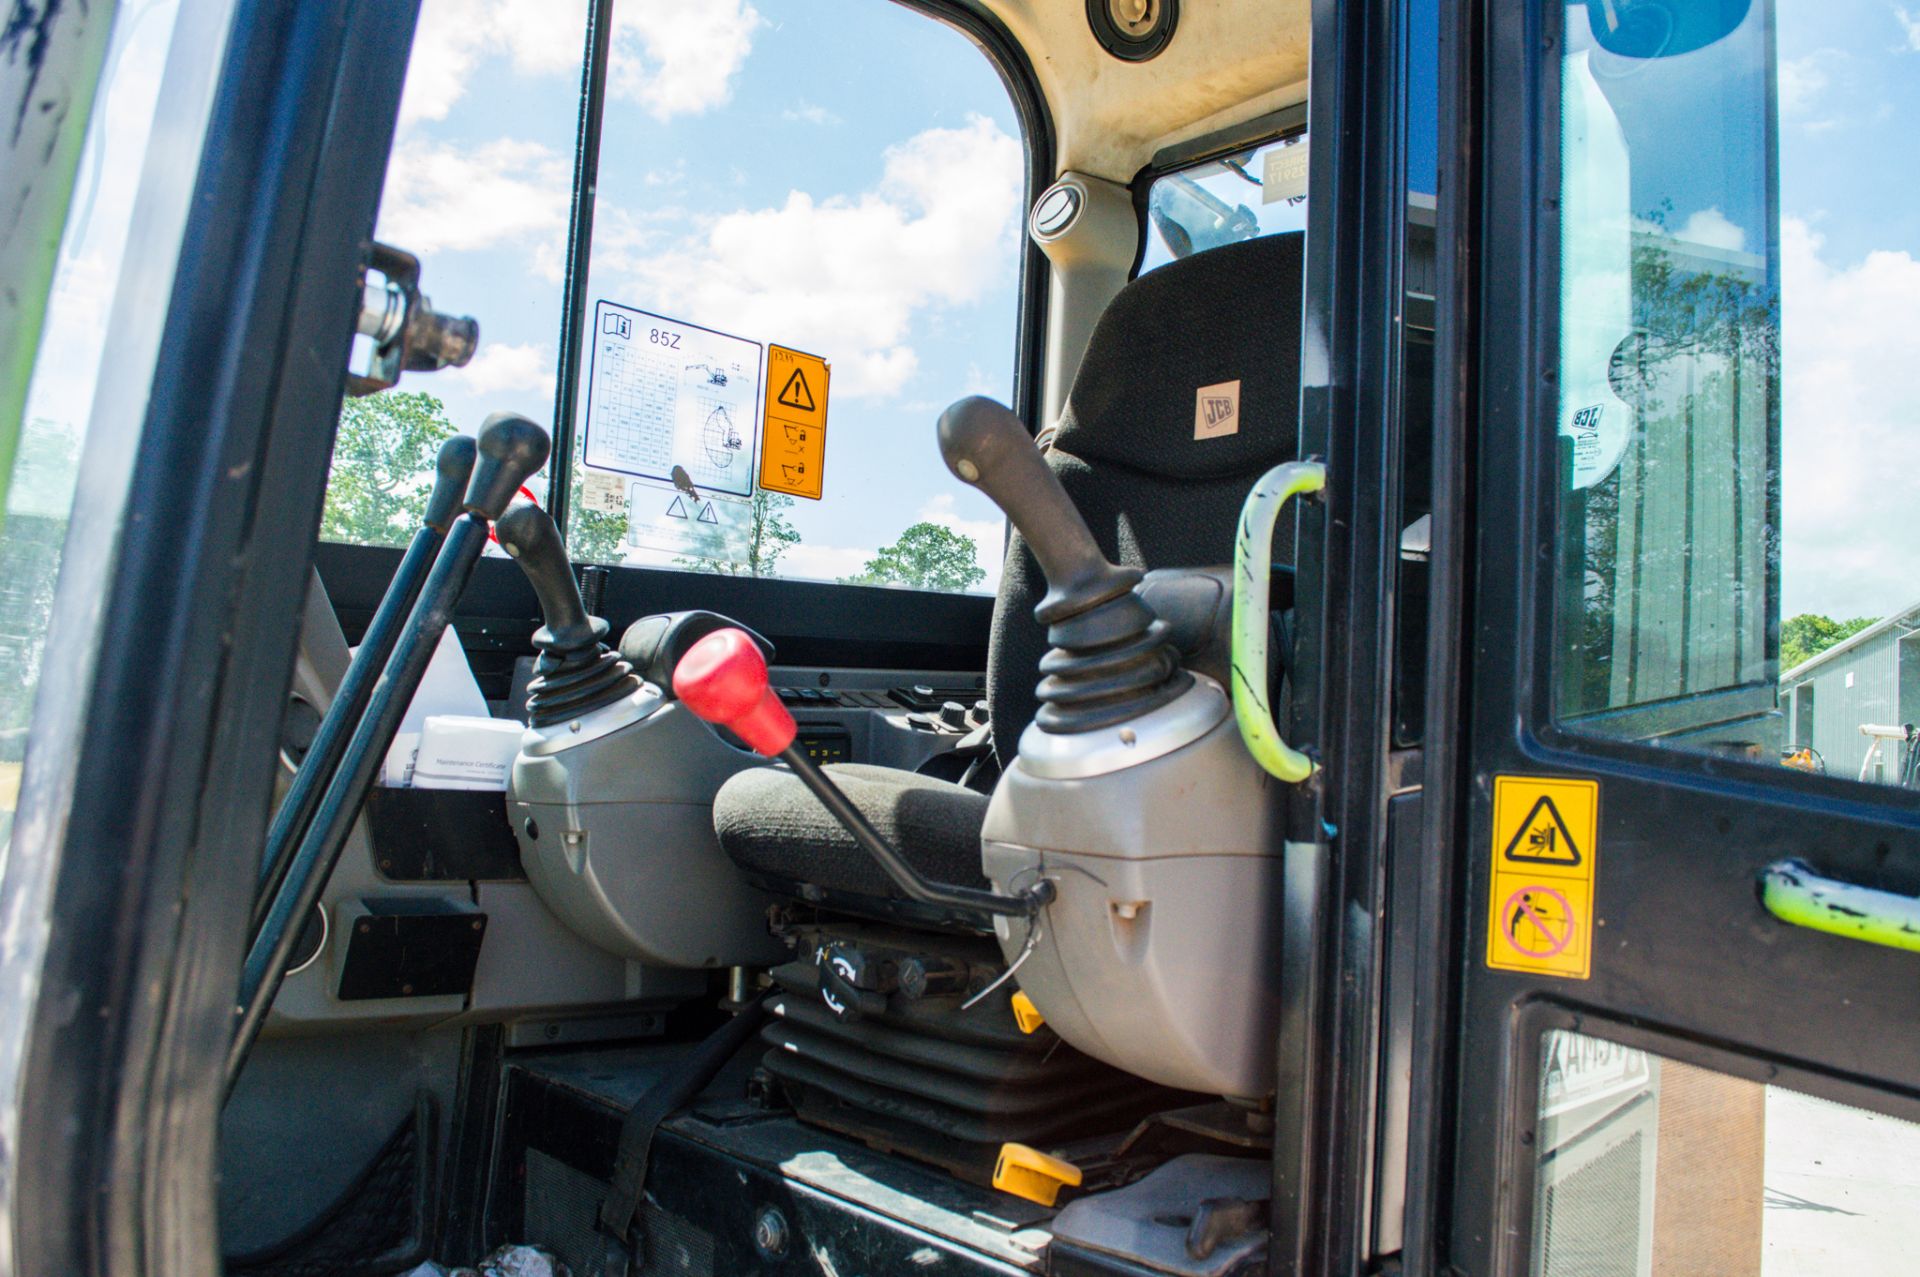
[[723, 680]]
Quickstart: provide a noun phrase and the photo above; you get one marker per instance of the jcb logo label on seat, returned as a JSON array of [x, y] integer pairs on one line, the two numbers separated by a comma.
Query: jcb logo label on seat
[[1216, 410]]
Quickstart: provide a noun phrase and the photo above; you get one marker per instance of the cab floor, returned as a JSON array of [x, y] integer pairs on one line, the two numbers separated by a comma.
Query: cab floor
[[728, 1172]]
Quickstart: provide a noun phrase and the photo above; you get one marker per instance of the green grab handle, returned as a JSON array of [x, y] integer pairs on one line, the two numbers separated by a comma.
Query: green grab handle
[[1794, 893], [1252, 570]]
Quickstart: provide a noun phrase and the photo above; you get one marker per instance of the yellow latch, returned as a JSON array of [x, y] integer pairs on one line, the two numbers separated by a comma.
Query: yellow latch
[[1029, 1173], [1025, 1014]]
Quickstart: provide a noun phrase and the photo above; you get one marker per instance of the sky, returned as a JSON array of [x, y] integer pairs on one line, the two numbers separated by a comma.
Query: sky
[[762, 174], [752, 182], [1849, 93]]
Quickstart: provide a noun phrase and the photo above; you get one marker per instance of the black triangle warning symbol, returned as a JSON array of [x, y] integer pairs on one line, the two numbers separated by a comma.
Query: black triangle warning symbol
[[707, 515], [676, 510], [796, 393], [1543, 838]]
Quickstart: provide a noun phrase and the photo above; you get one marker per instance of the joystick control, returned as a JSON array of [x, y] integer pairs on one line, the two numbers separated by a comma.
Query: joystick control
[[576, 672], [1112, 660]]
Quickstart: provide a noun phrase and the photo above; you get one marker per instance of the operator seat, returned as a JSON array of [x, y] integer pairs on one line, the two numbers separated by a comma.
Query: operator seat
[[1157, 490]]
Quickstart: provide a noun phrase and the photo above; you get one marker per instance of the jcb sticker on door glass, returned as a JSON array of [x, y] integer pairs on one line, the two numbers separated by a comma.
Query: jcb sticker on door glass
[[1545, 854]]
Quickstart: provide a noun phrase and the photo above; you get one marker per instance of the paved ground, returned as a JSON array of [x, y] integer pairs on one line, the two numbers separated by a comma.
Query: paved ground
[[1843, 1190]]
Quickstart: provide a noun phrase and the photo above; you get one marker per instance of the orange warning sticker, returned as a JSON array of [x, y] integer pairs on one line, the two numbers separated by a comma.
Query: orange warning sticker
[[794, 454], [1546, 833]]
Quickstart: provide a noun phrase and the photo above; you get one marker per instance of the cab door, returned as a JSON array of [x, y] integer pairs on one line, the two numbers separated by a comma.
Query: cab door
[[1683, 1032]]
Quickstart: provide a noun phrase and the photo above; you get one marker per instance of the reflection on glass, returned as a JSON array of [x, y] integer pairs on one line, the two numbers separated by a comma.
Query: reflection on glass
[[1649, 1167], [1669, 381], [1740, 318], [59, 404]]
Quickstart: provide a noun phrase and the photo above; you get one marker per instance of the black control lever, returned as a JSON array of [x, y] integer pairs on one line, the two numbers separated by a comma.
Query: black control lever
[[1111, 659], [510, 450], [453, 470], [577, 672]]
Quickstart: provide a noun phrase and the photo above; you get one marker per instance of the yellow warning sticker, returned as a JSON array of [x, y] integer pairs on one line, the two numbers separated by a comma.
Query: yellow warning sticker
[[794, 454], [1546, 834]]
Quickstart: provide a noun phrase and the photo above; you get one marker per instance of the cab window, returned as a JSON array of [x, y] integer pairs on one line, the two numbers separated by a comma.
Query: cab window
[[755, 218], [801, 254]]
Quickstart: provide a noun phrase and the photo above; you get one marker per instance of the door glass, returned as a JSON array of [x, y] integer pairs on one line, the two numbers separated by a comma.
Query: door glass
[[73, 354], [1738, 427], [806, 244], [1649, 1167]]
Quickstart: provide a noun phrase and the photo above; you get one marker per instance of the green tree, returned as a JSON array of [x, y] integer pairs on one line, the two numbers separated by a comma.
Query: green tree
[[1805, 636], [593, 536], [926, 557], [383, 467], [768, 536]]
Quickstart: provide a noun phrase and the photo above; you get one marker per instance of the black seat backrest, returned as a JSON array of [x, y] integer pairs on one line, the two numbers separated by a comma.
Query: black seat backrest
[[1154, 494]]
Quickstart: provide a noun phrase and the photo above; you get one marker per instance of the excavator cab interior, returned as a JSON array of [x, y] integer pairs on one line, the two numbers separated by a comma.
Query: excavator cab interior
[[888, 636], [654, 1002]]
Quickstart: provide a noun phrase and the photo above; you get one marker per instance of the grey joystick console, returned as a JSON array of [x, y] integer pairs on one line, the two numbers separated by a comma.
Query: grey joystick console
[[1111, 660]]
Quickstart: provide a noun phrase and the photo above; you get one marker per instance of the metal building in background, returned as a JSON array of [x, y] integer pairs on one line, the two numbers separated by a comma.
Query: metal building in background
[[1854, 704]]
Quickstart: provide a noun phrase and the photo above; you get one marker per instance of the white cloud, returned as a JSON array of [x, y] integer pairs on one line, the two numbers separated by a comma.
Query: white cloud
[[1850, 462], [806, 112], [1909, 26], [1803, 79], [1707, 227], [679, 58], [822, 562], [1710, 227], [454, 36], [505, 366], [670, 56], [501, 193], [842, 275], [989, 536]]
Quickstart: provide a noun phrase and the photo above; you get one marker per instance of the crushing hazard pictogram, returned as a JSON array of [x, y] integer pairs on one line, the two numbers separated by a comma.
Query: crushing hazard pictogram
[[1541, 892], [1543, 838]]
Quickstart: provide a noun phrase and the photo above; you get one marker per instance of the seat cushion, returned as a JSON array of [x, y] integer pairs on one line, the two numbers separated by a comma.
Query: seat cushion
[[770, 823]]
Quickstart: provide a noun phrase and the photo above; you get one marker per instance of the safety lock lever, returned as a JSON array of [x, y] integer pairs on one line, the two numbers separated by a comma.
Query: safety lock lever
[[723, 680]]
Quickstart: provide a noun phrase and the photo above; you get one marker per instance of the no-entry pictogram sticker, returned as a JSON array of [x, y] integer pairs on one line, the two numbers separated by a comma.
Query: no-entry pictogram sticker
[[1546, 851]]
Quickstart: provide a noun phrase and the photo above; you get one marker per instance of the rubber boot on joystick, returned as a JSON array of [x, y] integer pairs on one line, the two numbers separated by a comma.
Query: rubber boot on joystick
[[576, 672], [1111, 660]]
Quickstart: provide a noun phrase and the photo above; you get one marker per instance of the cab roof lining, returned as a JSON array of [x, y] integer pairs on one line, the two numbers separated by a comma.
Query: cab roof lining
[[1230, 61]]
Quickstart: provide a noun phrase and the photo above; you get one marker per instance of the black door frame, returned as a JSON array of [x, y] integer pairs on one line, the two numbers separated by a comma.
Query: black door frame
[[1327, 1129], [155, 837]]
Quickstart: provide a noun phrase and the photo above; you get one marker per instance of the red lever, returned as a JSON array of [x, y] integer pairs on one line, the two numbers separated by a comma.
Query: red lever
[[723, 680]]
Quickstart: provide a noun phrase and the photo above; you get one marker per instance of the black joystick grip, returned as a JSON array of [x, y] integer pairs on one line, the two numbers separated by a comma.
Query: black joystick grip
[[454, 468], [527, 533], [1111, 661], [985, 445], [576, 673], [512, 450]]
